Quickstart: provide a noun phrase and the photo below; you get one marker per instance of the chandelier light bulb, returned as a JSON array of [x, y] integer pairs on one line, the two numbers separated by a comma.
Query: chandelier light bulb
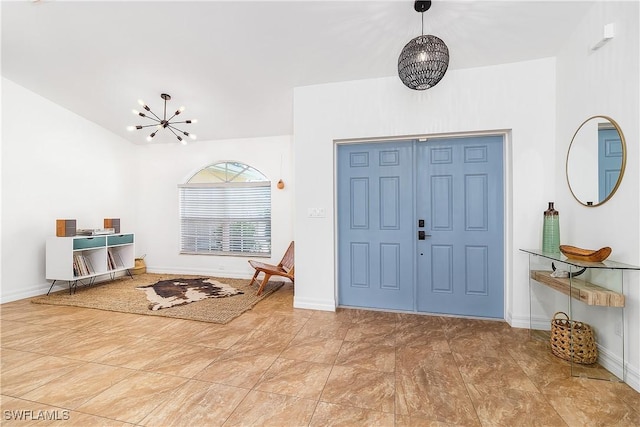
[[135, 112], [141, 102], [131, 128], [192, 136]]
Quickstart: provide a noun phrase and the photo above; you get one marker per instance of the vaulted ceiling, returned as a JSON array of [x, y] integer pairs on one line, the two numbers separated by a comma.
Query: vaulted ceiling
[[234, 64]]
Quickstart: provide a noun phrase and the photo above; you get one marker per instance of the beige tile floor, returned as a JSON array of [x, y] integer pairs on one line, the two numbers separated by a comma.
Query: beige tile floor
[[280, 366]]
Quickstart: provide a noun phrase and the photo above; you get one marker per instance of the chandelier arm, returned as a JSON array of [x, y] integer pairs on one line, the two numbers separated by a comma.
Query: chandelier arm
[[154, 114], [169, 119], [185, 121], [147, 126], [170, 126], [176, 135], [151, 118]]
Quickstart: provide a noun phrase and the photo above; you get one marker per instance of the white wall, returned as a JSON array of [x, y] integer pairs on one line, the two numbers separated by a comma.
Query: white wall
[[605, 82], [55, 164], [516, 97], [162, 167]]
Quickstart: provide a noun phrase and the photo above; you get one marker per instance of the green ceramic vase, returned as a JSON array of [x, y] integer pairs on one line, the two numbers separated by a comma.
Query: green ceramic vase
[[551, 230]]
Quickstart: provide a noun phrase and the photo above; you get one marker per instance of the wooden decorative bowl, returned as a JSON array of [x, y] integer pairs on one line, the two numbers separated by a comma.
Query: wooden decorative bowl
[[588, 255]]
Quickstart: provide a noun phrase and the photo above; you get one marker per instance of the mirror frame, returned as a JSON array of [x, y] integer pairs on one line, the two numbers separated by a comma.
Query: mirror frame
[[622, 166]]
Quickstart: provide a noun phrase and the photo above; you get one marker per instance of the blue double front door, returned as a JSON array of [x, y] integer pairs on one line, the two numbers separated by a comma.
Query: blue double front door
[[420, 226]]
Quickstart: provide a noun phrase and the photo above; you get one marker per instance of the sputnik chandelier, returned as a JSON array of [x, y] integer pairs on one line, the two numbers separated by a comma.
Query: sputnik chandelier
[[164, 122], [425, 59]]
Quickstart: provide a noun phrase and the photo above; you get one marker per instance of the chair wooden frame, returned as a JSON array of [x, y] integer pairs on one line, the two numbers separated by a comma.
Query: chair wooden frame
[[284, 269]]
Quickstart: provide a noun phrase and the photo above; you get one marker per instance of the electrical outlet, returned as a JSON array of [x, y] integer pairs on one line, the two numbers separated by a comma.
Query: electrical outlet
[[618, 329]]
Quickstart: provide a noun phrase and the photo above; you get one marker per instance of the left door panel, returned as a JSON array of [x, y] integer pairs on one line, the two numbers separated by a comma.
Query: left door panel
[[376, 249]]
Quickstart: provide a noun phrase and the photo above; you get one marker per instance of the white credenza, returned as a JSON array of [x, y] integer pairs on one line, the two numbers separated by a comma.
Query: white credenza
[[83, 258]]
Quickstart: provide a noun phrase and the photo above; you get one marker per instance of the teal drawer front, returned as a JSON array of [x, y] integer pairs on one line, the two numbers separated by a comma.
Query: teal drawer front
[[88, 243], [120, 239]]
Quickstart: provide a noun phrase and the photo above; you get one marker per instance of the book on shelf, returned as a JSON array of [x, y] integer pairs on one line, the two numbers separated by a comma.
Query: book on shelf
[[82, 265], [111, 260], [90, 269]]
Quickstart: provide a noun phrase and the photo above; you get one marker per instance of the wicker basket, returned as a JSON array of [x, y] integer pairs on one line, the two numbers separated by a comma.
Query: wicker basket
[[140, 267], [564, 331]]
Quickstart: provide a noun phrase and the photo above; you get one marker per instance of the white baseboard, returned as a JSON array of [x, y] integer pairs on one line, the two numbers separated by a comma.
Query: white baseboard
[[519, 321], [633, 377], [33, 291], [613, 363], [43, 288], [313, 304]]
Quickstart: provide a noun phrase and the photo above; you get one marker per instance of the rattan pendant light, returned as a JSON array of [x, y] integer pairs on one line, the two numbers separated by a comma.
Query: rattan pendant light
[[425, 59]]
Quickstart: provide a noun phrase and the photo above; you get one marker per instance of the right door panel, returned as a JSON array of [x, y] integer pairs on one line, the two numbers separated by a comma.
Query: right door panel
[[460, 197]]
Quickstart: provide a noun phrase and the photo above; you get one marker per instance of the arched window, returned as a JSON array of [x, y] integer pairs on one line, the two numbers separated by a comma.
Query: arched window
[[225, 209]]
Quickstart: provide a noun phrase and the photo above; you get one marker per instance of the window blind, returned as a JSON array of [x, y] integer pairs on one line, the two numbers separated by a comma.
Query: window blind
[[226, 218]]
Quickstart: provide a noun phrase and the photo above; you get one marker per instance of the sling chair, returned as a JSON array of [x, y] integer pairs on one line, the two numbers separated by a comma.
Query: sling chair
[[283, 269]]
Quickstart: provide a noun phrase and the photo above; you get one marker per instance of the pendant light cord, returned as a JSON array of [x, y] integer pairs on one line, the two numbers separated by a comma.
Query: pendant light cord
[[422, 28]]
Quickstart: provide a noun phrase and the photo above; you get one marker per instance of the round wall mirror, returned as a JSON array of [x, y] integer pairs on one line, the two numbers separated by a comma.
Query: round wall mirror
[[595, 161]]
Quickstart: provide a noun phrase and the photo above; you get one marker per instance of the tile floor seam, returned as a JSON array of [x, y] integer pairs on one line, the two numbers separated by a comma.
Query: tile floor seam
[[395, 378], [196, 375], [66, 409], [146, 414], [104, 417], [22, 351], [90, 398], [315, 408], [333, 365], [545, 397], [467, 391]]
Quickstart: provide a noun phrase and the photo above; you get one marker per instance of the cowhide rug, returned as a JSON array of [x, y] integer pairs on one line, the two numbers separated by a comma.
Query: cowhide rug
[[169, 293]]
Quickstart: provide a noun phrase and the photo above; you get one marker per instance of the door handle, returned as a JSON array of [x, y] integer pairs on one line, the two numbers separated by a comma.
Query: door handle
[[422, 235]]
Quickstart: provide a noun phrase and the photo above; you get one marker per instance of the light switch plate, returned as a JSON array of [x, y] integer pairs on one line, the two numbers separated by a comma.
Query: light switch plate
[[316, 213]]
